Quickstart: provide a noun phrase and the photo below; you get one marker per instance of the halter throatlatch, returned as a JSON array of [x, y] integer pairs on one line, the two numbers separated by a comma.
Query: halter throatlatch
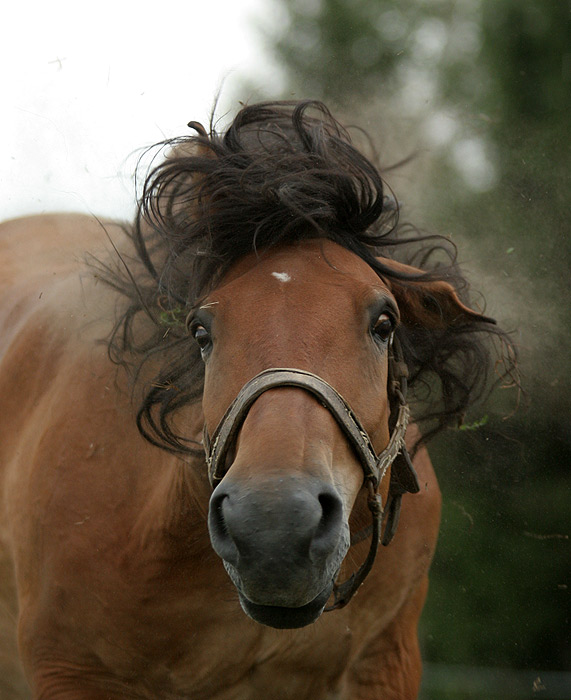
[[403, 477]]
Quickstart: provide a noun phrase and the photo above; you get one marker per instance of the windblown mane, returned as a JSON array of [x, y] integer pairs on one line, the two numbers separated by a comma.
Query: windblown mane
[[280, 172]]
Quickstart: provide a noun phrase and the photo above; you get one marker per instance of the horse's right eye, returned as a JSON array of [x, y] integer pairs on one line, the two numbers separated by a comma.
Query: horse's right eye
[[201, 335]]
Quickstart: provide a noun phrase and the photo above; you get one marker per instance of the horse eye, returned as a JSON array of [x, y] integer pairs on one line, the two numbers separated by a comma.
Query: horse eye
[[201, 335], [383, 327]]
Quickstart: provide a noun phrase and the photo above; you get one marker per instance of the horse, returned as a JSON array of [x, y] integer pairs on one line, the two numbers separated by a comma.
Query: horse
[[207, 488]]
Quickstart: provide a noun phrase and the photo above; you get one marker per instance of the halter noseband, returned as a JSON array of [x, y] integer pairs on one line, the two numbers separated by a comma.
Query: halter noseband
[[403, 477]]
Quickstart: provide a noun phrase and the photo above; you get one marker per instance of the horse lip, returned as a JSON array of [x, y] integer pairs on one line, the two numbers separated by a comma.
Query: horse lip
[[281, 617]]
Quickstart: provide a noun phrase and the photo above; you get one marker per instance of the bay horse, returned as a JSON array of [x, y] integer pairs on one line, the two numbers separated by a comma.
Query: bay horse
[[204, 427]]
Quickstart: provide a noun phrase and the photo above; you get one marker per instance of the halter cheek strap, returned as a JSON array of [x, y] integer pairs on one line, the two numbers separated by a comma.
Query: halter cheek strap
[[375, 467]]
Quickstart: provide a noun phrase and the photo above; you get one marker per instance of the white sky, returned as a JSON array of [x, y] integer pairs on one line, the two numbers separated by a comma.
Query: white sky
[[84, 85]]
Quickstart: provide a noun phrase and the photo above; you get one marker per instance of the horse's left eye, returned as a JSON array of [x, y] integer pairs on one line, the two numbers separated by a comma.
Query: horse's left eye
[[383, 328]]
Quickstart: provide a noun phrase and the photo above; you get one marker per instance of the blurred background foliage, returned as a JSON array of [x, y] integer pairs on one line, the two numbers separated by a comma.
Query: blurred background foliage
[[479, 93]]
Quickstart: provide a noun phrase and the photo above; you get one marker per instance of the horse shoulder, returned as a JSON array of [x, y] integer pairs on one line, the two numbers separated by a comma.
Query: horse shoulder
[[384, 615], [84, 498], [390, 667]]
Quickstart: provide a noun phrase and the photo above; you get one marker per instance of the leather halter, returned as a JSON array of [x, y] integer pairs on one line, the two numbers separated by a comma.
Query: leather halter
[[403, 477]]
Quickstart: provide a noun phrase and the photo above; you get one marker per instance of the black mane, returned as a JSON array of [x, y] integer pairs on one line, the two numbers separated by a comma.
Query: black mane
[[280, 172]]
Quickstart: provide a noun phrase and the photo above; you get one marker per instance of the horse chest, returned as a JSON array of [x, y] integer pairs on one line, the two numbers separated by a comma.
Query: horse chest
[[194, 646], [245, 662]]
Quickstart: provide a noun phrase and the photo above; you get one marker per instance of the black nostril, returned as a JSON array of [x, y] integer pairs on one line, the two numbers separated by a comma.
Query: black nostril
[[330, 506], [221, 539], [329, 528]]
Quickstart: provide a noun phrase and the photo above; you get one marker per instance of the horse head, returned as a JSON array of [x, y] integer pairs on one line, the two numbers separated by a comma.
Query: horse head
[[290, 478], [275, 242]]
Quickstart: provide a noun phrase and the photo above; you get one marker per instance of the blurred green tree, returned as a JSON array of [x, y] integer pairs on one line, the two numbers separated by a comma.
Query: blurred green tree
[[485, 87]]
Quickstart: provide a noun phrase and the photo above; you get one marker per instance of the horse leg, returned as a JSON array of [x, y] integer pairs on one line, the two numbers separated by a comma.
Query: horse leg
[[57, 680], [57, 671], [391, 667]]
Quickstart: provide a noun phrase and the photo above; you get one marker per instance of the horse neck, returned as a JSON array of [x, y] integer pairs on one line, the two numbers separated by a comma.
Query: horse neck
[[174, 514]]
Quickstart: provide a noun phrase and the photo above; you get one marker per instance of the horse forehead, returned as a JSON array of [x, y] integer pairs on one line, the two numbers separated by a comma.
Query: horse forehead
[[301, 270]]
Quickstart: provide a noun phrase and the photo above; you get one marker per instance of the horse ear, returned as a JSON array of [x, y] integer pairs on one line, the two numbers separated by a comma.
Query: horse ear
[[428, 303]]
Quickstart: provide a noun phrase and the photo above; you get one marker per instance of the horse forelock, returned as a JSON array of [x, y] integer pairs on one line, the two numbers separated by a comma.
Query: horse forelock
[[280, 173], [276, 175]]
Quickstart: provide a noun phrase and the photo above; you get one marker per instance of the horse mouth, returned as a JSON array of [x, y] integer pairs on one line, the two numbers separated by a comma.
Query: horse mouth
[[281, 617]]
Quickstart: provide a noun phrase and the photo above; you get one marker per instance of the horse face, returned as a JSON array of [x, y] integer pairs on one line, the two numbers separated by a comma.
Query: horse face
[[279, 519]]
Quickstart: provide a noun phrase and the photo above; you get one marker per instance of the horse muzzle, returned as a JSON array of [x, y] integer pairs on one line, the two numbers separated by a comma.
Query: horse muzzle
[[282, 540], [266, 533]]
